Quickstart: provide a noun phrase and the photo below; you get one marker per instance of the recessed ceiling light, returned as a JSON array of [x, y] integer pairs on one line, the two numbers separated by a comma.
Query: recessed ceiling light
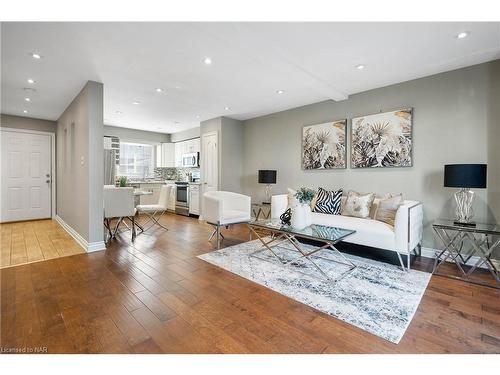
[[227, 108], [360, 67], [31, 81], [136, 103], [118, 112], [463, 34], [198, 116], [29, 89], [280, 92], [207, 60], [25, 111], [36, 56], [27, 99], [158, 89]]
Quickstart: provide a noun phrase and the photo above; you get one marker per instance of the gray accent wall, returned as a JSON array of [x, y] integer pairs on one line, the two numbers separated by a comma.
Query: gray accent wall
[[27, 123], [456, 120], [80, 163], [494, 141]]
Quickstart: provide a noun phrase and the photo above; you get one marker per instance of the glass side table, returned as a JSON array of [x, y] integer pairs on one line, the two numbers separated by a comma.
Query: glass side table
[[462, 243], [261, 211]]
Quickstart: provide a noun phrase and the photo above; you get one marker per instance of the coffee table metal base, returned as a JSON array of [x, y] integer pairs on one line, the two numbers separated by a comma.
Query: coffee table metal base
[[278, 238]]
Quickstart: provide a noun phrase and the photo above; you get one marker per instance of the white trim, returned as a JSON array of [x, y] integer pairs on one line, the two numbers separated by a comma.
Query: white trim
[[53, 168], [88, 247], [429, 252]]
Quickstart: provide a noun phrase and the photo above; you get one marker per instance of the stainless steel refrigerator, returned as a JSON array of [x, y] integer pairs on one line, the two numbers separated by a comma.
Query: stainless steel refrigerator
[[109, 167]]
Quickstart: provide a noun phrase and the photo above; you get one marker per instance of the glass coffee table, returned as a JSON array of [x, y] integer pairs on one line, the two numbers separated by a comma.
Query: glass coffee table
[[278, 234]]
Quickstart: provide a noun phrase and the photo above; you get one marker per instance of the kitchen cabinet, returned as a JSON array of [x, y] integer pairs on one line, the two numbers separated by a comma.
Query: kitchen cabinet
[[194, 199], [167, 158], [172, 197], [152, 198], [185, 147]]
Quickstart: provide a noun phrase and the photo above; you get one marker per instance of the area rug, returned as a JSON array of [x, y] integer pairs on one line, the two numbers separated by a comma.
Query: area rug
[[377, 297]]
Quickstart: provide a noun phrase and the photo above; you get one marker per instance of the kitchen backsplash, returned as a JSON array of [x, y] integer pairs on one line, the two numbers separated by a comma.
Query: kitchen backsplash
[[178, 174]]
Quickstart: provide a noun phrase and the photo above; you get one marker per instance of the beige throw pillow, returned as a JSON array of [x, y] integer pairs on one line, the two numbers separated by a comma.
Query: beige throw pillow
[[387, 209], [358, 205]]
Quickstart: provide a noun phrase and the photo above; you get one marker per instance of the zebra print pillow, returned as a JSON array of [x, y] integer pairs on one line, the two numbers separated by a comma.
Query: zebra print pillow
[[328, 202]]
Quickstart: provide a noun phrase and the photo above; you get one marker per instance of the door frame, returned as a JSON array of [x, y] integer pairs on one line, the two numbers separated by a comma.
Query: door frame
[[52, 161]]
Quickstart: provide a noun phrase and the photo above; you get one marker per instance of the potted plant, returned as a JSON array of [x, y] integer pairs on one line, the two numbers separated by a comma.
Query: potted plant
[[122, 181], [301, 214]]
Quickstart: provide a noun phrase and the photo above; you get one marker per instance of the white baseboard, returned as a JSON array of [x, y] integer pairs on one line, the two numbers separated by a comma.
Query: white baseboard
[[87, 246], [431, 253]]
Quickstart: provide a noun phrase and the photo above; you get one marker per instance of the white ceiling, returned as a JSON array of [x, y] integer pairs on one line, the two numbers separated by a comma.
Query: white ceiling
[[311, 62]]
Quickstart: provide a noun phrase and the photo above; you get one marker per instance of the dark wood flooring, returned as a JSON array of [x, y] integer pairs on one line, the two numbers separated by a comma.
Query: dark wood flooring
[[155, 296]]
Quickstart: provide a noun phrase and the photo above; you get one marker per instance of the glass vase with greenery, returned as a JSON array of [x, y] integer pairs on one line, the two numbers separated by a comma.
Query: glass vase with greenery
[[305, 195]]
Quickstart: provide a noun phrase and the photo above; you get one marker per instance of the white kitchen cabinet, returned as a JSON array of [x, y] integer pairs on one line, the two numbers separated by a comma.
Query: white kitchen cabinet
[[185, 147], [194, 199], [172, 197], [178, 154], [167, 155], [151, 198]]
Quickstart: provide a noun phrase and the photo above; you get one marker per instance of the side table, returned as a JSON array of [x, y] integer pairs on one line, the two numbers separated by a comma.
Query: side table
[[261, 211], [461, 243]]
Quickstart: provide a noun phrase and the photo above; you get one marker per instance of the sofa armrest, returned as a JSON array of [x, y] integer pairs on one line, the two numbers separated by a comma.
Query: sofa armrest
[[212, 212], [279, 203], [408, 226]]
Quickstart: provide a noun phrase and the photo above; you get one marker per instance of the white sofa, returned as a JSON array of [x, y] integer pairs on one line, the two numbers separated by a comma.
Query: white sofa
[[403, 238]]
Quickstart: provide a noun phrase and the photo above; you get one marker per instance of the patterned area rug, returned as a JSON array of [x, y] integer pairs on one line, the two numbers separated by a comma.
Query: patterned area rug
[[377, 297]]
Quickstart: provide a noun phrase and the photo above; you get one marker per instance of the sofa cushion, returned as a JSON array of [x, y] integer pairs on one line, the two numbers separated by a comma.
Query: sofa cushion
[[369, 232], [358, 205], [328, 202], [387, 209]]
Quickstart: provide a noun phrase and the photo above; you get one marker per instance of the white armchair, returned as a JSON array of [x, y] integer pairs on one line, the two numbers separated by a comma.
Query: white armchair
[[118, 203], [224, 208]]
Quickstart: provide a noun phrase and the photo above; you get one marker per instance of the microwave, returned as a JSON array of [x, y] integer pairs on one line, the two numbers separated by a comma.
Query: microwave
[[191, 160]]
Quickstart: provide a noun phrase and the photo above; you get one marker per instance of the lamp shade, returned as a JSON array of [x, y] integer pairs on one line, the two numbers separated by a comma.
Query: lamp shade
[[267, 176], [465, 175]]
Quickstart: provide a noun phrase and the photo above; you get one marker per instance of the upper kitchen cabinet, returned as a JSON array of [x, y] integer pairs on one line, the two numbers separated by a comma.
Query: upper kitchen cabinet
[[185, 147], [167, 155]]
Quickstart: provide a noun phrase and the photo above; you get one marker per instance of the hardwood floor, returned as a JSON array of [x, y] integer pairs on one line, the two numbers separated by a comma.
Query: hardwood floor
[[155, 296], [34, 241]]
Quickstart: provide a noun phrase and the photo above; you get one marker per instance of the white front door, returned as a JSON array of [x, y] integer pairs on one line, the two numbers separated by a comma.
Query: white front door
[[209, 163], [26, 176]]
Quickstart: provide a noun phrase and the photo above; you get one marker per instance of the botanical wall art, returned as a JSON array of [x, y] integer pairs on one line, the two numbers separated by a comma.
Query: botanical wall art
[[382, 140], [324, 145]]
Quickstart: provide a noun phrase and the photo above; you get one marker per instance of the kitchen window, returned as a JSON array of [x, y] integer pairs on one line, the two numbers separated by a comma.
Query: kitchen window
[[136, 160]]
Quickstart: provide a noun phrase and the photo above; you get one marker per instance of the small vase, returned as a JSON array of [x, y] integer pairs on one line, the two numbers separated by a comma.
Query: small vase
[[298, 217]]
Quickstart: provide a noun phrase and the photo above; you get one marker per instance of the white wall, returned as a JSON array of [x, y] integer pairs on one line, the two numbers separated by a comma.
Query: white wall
[[136, 135], [452, 123], [80, 163], [185, 135]]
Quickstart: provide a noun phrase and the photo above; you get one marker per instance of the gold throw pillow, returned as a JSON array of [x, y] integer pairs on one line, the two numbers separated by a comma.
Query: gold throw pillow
[[387, 209]]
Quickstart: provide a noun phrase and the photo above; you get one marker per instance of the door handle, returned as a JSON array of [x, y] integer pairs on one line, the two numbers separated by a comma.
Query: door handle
[[48, 181], [47, 175]]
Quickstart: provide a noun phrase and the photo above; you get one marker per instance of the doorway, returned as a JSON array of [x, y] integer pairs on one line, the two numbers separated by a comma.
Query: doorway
[[27, 159]]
